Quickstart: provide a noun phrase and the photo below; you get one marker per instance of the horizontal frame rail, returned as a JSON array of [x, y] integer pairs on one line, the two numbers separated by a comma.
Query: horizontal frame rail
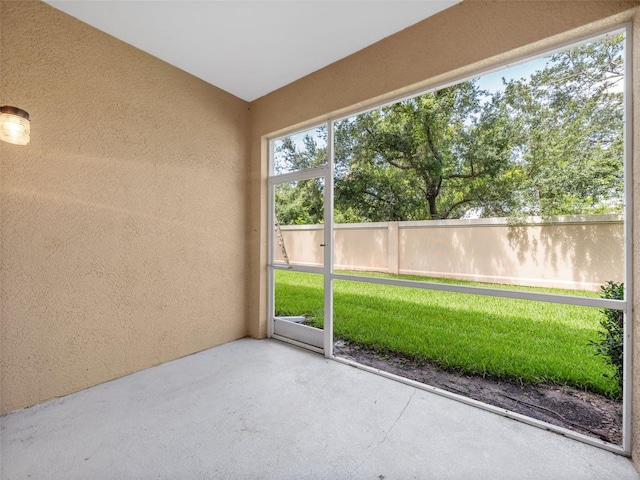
[[308, 174], [298, 268], [491, 292]]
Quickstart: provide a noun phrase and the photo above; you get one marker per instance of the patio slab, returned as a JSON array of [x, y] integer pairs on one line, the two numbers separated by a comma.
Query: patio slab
[[264, 409]]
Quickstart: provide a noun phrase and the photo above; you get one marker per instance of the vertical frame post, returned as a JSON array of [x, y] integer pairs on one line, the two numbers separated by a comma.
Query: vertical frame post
[[627, 380], [270, 232], [328, 244]]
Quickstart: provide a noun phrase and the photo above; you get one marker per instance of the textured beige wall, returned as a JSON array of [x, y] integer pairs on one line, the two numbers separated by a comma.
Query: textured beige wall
[[567, 252], [466, 38], [582, 255], [362, 248], [302, 244], [357, 246], [123, 221]]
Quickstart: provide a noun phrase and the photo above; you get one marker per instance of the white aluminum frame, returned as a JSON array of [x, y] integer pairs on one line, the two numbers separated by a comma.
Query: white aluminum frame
[[328, 246], [627, 383], [301, 335], [329, 275]]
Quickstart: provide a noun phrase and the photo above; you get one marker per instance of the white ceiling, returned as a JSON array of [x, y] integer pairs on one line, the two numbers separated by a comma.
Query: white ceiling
[[250, 48]]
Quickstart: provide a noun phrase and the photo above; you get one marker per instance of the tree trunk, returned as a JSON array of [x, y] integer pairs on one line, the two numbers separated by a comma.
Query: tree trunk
[[433, 209]]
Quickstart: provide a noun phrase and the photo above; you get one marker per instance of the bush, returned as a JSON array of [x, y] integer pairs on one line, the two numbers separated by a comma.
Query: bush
[[611, 339]]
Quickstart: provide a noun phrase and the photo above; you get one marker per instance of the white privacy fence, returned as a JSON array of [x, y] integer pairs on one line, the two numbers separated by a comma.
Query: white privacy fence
[[582, 251]]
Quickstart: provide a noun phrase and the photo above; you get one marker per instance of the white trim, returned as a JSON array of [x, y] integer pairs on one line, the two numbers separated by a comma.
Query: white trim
[[270, 250], [299, 267], [297, 334], [490, 292], [488, 279], [328, 246], [307, 174], [296, 331], [501, 279], [627, 382], [294, 319]]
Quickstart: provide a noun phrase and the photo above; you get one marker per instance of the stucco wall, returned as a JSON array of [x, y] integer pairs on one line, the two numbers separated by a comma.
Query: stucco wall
[[581, 252], [464, 39], [122, 230]]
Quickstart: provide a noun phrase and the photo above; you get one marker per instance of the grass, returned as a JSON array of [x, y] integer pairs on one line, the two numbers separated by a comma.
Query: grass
[[516, 340]]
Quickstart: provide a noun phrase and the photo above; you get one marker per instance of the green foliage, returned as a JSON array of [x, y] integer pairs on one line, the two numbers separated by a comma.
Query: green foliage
[[300, 203], [550, 144], [436, 155], [569, 119], [610, 345], [292, 157]]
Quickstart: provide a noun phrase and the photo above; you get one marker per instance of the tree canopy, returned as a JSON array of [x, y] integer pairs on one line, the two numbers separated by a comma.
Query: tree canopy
[[569, 120], [550, 144], [433, 156]]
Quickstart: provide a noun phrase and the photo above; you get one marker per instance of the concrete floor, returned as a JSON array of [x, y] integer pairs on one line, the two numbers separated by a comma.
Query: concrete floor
[[266, 410]]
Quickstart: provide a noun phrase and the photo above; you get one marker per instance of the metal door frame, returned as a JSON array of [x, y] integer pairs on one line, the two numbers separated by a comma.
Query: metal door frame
[[302, 335]]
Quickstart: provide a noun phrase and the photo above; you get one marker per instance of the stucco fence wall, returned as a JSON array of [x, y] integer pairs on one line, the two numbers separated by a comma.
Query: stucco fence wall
[[580, 252]]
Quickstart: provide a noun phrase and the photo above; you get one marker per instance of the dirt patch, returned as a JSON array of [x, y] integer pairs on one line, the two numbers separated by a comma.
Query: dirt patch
[[577, 410]]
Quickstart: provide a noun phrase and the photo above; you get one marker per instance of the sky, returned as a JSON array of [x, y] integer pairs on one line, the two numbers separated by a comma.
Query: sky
[[493, 81]]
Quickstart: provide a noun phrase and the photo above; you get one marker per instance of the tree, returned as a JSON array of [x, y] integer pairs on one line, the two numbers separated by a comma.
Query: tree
[[437, 155], [300, 203], [290, 157], [569, 118], [551, 144]]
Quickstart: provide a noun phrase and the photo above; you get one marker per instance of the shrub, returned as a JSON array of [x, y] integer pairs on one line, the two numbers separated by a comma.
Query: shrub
[[611, 339]]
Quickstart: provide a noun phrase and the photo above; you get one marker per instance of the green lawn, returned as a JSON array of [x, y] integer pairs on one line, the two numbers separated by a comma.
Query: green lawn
[[518, 340]]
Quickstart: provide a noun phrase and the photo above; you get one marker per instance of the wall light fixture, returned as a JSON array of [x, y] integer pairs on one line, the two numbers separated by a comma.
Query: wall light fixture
[[14, 125]]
